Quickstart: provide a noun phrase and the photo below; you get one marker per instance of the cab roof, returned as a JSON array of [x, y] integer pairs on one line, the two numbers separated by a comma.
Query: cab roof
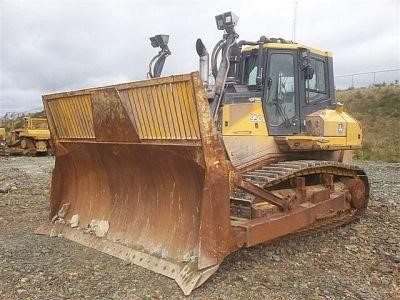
[[290, 46]]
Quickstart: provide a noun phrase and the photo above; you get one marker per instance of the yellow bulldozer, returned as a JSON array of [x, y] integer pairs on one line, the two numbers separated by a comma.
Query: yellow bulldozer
[[2, 134], [3, 143], [33, 138], [175, 173]]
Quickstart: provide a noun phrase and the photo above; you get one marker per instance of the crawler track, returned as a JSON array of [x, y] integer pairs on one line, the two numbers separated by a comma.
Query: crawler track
[[270, 176]]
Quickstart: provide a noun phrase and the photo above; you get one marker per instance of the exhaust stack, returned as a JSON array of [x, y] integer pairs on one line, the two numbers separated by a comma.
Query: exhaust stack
[[204, 65]]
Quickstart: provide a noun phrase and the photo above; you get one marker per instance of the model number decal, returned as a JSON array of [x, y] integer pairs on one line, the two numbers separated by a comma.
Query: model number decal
[[256, 118]]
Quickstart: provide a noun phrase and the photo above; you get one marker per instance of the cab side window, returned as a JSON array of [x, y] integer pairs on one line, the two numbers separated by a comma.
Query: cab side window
[[316, 88], [250, 70]]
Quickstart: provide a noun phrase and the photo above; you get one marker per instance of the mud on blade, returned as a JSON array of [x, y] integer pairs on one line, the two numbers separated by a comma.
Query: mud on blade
[[140, 175]]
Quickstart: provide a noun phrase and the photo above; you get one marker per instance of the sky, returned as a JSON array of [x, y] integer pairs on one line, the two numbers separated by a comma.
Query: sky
[[51, 46]]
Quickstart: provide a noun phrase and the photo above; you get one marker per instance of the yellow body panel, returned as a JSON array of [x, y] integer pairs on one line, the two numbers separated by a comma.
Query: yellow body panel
[[37, 134], [326, 122], [245, 134], [332, 123], [306, 142], [246, 150], [354, 130], [244, 119], [247, 140]]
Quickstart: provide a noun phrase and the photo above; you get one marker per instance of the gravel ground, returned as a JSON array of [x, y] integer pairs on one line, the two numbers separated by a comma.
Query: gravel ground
[[357, 261]]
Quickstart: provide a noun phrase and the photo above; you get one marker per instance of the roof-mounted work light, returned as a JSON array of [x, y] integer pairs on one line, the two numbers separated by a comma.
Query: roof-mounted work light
[[159, 40], [226, 20]]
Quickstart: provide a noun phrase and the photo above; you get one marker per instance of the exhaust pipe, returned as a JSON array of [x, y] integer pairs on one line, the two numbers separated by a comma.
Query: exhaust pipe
[[227, 22], [204, 59]]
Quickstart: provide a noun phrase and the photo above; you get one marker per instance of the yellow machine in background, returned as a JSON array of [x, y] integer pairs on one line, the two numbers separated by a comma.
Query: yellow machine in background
[[2, 134], [32, 139], [2, 141]]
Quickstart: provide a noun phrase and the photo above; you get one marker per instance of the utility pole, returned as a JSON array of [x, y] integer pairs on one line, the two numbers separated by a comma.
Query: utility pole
[[294, 20]]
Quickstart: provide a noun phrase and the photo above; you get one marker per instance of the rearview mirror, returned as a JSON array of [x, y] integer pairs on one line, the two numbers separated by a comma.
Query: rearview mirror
[[269, 82], [309, 73]]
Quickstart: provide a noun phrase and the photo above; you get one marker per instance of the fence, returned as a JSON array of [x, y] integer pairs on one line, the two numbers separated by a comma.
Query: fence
[[365, 79]]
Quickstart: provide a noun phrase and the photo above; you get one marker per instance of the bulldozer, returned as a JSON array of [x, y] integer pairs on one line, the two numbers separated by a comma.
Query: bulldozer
[[33, 138], [175, 173], [2, 134], [3, 143]]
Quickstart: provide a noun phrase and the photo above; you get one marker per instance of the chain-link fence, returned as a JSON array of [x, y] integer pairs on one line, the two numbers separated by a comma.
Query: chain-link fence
[[366, 79]]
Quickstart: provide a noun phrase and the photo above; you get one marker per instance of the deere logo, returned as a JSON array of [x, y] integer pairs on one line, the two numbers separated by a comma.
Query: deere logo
[[340, 128]]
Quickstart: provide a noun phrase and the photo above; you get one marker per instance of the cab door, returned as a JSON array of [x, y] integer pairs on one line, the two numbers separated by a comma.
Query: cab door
[[281, 103]]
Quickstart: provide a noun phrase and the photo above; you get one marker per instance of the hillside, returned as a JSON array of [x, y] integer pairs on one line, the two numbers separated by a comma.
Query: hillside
[[378, 109]]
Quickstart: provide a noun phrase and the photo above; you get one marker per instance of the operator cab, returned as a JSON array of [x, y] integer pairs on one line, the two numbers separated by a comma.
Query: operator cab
[[295, 81]]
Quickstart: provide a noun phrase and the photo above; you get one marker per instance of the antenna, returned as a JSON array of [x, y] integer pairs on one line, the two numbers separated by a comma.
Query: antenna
[[294, 20]]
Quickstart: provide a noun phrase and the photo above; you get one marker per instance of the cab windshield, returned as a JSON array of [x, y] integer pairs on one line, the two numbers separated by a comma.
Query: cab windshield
[[280, 98]]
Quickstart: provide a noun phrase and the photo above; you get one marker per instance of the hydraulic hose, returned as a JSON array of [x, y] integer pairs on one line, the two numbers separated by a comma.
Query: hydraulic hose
[[214, 55]]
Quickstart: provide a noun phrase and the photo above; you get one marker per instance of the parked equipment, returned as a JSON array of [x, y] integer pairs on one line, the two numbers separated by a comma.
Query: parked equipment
[[3, 143], [173, 174], [32, 139], [2, 134]]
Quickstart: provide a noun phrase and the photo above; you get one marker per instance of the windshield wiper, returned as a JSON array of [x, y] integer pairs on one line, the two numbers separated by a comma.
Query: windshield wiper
[[279, 108]]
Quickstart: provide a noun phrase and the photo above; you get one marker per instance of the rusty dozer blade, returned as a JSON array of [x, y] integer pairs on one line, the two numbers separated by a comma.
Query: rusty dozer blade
[[140, 174]]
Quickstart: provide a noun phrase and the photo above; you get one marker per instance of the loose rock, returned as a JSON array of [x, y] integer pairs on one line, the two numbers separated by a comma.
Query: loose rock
[[63, 210], [98, 227], [357, 261], [74, 221]]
